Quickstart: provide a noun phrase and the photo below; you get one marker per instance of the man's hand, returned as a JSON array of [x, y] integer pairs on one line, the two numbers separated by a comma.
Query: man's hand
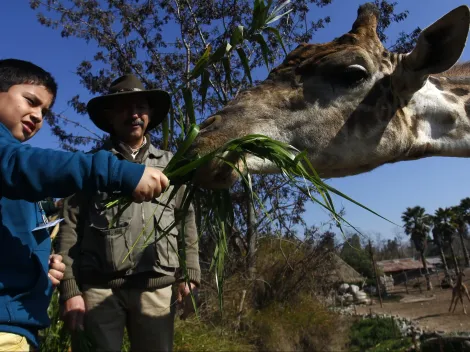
[[150, 186], [184, 298], [56, 269], [73, 311]]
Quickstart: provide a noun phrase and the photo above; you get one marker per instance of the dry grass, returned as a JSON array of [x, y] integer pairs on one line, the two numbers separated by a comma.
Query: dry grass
[[301, 324]]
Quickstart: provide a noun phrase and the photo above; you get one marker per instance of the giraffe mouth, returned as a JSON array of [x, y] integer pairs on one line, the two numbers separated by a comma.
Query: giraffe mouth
[[217, 174]]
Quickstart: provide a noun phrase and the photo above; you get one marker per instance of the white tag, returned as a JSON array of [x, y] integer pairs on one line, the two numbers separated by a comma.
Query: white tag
[[49, 224]]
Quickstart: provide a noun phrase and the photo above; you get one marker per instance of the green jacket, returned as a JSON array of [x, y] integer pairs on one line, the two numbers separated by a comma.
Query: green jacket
[[95, 254]]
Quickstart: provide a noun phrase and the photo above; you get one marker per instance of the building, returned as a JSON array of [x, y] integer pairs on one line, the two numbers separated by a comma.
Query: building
[[342, 272], [435, 261], [404, 269]]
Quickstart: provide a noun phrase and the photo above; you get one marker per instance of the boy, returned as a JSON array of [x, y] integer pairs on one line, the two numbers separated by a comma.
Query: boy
[[28, 175]]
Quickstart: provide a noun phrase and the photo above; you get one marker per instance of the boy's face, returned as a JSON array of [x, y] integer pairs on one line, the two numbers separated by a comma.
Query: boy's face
[[22, 109], [129, 117]]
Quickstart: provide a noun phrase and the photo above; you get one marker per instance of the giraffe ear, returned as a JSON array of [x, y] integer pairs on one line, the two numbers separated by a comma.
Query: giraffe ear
[[441, 44]]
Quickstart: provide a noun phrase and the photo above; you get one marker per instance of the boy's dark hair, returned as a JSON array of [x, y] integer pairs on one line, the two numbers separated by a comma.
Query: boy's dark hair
[[14, 71]]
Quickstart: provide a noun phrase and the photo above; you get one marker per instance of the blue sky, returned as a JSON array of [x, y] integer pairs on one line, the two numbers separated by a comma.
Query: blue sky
[[431, 183]]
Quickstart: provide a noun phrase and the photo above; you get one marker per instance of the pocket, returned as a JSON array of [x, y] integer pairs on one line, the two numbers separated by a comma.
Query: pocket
[[166, 244], [107, 247], [113, 243]]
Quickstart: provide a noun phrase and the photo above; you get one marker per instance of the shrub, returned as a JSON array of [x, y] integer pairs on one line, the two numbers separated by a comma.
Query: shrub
[[300, 324], [377, 335]]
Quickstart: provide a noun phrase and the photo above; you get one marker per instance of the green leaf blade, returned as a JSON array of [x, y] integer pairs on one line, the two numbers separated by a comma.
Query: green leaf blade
[[246, 65]]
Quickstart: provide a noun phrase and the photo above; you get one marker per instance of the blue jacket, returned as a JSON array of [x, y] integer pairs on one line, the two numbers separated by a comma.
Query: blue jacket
[[28, 175]]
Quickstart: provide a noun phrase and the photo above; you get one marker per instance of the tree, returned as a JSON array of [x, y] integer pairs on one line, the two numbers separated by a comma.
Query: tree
[[328, 241], [417, 225], [461, 221], [443, 230], [404, 249], [390, 250], [356, 256]]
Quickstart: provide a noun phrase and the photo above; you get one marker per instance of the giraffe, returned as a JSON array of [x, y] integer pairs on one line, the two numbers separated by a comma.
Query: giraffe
[[457, 291], [352, 105]]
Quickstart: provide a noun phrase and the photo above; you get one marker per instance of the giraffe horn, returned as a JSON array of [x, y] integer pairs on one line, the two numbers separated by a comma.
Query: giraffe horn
[[367, 19]]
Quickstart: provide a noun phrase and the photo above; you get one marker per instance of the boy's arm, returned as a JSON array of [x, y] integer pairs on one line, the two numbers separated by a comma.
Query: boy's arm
[[33, 173], [67, 244], [191, 238]]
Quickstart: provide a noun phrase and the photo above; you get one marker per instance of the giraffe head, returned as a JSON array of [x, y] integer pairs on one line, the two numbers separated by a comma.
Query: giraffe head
[[351, 104]]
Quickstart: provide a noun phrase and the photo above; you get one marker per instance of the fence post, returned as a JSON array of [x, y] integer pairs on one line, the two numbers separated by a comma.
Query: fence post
[[375, 273], [406, 282]]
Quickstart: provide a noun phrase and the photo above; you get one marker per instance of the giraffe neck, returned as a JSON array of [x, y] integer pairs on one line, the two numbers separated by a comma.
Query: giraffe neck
[[439, 114]]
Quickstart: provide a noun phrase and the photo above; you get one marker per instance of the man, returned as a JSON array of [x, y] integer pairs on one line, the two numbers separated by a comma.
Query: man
[[106, 289]]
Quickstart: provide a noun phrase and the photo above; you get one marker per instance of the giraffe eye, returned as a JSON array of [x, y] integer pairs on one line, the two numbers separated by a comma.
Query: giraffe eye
[[354, 75]]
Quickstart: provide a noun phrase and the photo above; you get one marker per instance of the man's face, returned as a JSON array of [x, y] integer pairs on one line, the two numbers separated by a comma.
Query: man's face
[[22, 109], [129, 117]]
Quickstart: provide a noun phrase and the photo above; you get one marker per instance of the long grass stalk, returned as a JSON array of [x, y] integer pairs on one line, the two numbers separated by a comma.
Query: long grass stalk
[[292, 163]]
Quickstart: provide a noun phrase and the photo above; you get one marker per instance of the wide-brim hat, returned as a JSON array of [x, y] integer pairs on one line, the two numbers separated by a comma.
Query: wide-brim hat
[[129, 85]]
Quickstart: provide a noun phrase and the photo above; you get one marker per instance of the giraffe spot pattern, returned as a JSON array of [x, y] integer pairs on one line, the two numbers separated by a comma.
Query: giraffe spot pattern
[[436, 82], [459, 91], [448, 119], [414, 124], [451, 98]]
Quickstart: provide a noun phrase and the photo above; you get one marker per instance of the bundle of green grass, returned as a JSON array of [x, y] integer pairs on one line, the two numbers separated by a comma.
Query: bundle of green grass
[[292, 163]]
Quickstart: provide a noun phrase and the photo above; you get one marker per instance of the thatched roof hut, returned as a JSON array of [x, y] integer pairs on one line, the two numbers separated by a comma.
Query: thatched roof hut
[[342, 272]]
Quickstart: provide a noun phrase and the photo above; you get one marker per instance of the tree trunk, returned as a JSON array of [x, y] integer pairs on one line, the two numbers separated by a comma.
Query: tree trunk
[[426, 273], [251, 235], [444, 263], [443, 258], [464, 249], [456, 265]]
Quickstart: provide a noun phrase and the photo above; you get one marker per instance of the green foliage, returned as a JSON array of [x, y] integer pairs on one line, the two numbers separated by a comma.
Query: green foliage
[[55, 338], [398, 345], [189, 335], [391, 249], [192, 335], [465, 208], [295, 169], [377, 335], [461, 217], [417, 225], [357, 257]]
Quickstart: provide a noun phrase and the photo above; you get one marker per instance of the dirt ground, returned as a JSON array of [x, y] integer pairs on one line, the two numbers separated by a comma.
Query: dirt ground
[[428, 308]]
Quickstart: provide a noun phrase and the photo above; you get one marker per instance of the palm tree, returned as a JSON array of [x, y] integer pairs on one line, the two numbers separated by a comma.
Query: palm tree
[[464, 209], [417, 225], [462, 219], [444, 230]]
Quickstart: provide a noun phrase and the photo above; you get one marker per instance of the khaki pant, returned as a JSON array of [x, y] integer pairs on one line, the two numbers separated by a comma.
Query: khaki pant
[[13, 342], [148, 316]]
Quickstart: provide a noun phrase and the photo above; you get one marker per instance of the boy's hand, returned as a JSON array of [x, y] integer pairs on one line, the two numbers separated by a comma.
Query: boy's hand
[[72, 313], [150, 186], [56, 269]]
